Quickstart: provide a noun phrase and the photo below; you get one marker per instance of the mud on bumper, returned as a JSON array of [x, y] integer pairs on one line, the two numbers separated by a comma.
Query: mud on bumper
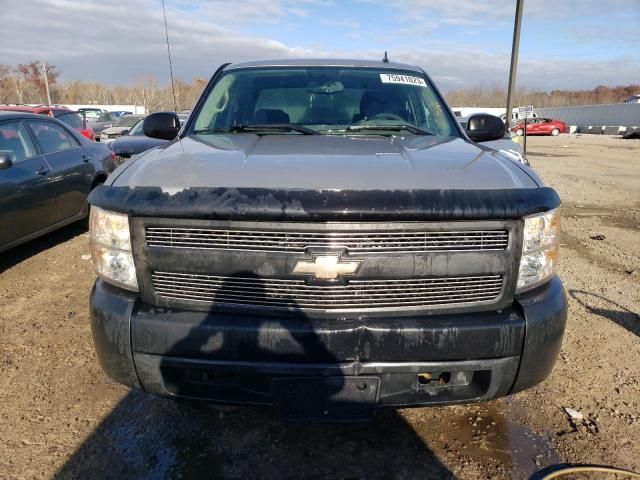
[[358, 364]]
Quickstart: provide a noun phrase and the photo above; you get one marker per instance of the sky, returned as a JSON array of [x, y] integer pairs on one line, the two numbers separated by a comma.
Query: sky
[[463, 43]]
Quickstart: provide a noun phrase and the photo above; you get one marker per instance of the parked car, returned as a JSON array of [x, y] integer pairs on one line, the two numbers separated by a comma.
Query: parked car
[[120, 127], [75, 120], [133, 143], [46, 172], [322, 237], [70, 117], [504, 145], [105, 120], [540, 126]]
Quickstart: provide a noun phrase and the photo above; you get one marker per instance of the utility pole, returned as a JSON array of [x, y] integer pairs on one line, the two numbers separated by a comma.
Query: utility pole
[[46, 81], [514, 59]]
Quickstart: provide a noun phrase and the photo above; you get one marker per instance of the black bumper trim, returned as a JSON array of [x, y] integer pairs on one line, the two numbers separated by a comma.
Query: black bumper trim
[[265, 338], [486, 354], [546, 316], [111, 310], [250, 383]]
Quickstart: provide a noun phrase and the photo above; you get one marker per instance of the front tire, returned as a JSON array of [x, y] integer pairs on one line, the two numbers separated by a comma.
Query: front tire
[[519, 132], [555, 132]]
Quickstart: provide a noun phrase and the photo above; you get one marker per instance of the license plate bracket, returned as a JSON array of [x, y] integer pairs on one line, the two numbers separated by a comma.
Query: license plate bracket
[[325, 399]]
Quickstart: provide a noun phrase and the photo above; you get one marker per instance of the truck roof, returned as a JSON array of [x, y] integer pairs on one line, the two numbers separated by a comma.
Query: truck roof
[[324, 62]]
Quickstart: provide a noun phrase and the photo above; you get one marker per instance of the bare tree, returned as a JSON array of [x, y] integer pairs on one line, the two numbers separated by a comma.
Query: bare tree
[[145, 92], [19, 82], [5, 83]]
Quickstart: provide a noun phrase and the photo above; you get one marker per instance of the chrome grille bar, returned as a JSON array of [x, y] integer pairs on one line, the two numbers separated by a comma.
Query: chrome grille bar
[[355, 242], [356, 294]]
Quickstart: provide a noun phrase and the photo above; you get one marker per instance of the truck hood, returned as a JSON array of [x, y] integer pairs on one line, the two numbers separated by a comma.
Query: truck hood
[[306, 162]]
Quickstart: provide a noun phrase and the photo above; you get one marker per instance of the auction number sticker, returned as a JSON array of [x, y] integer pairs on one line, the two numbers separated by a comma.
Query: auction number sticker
[[403, 79]]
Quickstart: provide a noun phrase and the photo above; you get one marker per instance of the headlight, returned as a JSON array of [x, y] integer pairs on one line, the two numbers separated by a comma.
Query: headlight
[[539, 250], [111, 248]]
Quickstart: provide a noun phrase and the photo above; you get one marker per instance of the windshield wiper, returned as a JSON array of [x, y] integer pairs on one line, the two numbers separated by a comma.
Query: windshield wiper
[[274, 127], [393, 127]]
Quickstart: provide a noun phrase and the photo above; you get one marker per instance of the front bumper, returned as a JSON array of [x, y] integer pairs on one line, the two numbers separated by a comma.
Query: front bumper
[[417, 361]]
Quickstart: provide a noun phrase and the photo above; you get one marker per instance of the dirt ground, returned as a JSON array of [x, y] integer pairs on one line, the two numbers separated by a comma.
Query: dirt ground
[[60, 416]]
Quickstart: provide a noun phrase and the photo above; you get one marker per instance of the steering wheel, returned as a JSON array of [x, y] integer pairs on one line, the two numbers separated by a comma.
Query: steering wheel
[[387, 116]]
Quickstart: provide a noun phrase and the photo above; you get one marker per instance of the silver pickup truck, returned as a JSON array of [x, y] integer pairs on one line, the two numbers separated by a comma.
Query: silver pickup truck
[[322, 237]]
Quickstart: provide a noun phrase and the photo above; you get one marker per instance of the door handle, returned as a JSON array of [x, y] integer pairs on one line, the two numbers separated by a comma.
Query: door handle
[[85, 159], [42, 170]]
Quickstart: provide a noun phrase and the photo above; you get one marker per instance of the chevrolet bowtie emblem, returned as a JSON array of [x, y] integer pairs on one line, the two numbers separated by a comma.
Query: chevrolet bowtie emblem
[[326, 267]]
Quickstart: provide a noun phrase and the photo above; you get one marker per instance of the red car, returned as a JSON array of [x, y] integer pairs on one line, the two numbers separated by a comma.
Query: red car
[[541, 126], [70, 117]]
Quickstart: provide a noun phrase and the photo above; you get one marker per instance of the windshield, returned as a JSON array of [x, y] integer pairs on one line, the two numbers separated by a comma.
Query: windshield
[[126, 121], [137, 129], [91, 113], [73, 119], [106, 117], [330, 100]]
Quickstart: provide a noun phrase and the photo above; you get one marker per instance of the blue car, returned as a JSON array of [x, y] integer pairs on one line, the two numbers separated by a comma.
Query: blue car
[[47, 170]]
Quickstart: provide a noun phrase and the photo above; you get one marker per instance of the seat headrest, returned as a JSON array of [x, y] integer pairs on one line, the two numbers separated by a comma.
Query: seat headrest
[[270, 116]]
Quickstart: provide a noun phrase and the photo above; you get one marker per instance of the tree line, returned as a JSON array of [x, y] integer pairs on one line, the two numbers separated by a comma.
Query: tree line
[[482, 96], [24, 83]]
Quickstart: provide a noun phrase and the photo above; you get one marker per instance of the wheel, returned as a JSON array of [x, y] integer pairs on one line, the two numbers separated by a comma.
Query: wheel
[[555, 132], [519, 132]]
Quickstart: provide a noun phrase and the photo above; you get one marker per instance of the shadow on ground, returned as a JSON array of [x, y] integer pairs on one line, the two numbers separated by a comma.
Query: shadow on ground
[[612, 311], [146, 437], [27, 250], [544, 154]]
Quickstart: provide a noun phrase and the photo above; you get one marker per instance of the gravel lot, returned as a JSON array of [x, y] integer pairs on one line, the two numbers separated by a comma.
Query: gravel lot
[[60, 416]]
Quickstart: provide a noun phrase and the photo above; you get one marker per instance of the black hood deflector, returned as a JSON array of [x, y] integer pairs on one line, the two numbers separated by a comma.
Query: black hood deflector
[[325, 205]]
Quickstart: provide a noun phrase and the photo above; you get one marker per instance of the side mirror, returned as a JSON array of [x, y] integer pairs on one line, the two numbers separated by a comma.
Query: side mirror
[[5, 161], [484, 128], [163, 125]]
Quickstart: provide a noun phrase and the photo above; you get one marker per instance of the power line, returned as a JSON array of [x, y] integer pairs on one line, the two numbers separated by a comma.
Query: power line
[[166, 33]]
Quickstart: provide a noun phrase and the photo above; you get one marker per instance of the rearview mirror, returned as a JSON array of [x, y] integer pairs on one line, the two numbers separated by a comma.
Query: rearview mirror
[[325, 88], [484, 128], [163, 125], [5, 161]]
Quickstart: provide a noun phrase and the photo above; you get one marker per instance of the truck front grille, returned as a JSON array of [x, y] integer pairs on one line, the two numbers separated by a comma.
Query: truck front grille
[[354, 295], [360, 242]]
